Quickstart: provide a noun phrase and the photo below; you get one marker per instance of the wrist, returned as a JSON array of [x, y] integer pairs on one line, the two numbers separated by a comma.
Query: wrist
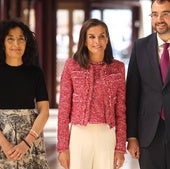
[[30, 139], [33, 133], [132, 138], [26, 142], [3, 140]]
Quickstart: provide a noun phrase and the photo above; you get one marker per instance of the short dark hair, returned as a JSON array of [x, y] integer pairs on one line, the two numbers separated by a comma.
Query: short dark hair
[[82, 55], [160, 1], [31, 50]]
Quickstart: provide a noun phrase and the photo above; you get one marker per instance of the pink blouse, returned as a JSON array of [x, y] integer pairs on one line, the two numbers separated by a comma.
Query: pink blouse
[[97, 113]]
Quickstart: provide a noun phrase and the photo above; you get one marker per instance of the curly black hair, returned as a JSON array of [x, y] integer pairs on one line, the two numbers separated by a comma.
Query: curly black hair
[[31, 50]]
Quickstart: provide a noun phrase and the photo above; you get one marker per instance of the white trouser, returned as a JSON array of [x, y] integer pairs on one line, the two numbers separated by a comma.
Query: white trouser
[[92, 146]]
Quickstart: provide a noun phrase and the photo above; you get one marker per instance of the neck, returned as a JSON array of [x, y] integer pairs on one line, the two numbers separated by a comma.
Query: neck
[[14, 62], [164, 37], [96, 58]]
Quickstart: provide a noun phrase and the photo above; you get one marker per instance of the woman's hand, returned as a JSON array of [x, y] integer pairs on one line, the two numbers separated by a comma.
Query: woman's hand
[[64, 159], [17, 151], [118, 160], [7, 148]]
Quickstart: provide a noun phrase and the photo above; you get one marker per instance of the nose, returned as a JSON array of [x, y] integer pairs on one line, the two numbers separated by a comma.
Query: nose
[[16, 42], [97, 40], [160, 18]]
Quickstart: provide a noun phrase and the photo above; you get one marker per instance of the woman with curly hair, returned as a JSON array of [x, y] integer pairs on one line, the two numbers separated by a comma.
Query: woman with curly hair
[[24, 105]]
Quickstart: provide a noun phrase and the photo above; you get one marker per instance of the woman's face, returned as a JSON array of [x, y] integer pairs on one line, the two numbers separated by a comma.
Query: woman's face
[[15, 44], [96, 42]]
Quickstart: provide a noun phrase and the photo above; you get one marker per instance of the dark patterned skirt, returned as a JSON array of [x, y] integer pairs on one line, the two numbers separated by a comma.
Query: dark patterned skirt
[[16, 124]]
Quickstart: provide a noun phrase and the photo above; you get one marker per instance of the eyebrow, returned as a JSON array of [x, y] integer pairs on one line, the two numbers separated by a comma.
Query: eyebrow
[[14, 35], [161, 12], [99, 34]]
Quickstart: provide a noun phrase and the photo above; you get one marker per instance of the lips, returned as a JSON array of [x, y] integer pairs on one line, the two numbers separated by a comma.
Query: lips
[[162, 24], [15, 50], [97, 47]]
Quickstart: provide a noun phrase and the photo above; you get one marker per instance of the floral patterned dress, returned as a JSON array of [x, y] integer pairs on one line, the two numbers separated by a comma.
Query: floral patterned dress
[[15, 125]]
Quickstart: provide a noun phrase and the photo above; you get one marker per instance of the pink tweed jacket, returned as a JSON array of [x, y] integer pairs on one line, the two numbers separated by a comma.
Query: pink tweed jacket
[[75, 98]]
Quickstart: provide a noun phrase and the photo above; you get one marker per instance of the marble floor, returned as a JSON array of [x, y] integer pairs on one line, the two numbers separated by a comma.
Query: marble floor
[[50, 140]]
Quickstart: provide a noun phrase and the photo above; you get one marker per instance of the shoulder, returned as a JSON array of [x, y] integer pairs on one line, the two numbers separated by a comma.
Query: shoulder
[[116, 66], [35, 70], [145, 40], [70, 61], [117, 63], [72, 64], [33, 67]]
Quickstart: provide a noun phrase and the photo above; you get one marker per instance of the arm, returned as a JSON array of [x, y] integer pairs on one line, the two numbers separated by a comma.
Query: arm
[[120, 119], [43, 114], [132, 95], [38, 126], [132, 103], [120, 115], [5, 145], [64, 111]]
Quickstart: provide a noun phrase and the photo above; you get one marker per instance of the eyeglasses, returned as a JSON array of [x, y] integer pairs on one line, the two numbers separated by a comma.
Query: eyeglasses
[[20, 40], [163, 15]]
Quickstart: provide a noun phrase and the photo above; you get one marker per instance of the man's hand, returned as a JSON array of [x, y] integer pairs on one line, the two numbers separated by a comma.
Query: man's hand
[[133, 147]]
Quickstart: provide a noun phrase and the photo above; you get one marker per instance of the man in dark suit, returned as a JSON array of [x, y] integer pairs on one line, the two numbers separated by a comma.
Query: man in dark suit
[[148, 94]]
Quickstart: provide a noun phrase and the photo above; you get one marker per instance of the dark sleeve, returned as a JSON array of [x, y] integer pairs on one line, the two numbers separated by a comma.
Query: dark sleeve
[[41, 89], [132, 95]]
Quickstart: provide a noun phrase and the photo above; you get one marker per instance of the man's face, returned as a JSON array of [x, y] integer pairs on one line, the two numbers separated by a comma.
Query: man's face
[[160, 17]]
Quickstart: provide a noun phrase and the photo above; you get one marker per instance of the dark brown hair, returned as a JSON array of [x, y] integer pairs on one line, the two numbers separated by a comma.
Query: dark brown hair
[[160, 1], [82, 55]]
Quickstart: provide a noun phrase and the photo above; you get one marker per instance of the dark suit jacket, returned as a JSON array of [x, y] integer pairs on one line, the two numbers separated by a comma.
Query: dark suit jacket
[[146, 92]]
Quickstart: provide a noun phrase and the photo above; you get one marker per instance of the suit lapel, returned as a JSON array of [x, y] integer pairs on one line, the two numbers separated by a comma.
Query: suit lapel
[[152, 51]]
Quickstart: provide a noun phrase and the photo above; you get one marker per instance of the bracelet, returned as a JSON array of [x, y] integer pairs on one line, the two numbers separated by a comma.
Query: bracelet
[[25, 142], [34, 133]]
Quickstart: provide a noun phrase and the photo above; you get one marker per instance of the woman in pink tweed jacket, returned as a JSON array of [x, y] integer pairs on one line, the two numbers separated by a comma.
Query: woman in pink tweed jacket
[[91, 119]]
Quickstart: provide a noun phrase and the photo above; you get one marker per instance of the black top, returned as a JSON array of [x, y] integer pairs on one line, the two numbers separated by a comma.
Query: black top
[[21, 86]]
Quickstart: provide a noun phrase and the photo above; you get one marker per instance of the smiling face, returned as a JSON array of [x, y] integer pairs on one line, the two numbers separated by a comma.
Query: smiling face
[[161, 19], [15, 44], [96, 42]]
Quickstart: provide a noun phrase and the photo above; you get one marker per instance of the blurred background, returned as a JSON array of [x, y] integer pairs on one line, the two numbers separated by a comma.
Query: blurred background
[[57, 23]]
